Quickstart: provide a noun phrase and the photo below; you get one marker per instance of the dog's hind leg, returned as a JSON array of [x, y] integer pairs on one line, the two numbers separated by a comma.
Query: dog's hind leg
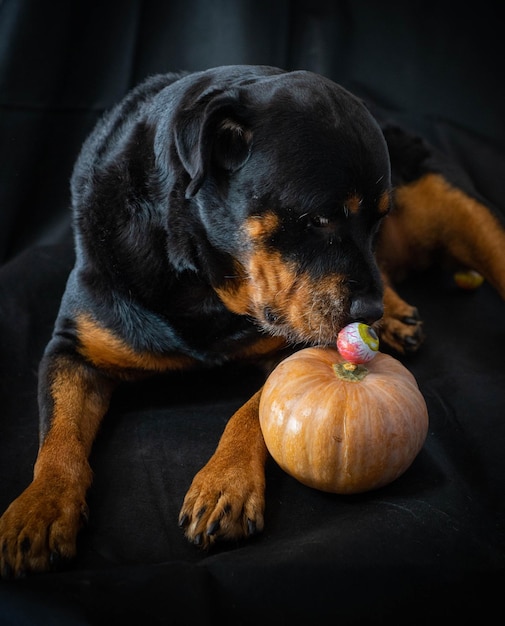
[[438, 221], [433, 221]]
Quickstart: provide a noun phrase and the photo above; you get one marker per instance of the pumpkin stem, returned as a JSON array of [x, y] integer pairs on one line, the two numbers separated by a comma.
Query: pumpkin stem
[[349, 366], [350, 371]]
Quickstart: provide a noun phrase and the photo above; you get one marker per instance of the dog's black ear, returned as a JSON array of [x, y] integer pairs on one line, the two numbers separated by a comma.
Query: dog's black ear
[[215, 137]]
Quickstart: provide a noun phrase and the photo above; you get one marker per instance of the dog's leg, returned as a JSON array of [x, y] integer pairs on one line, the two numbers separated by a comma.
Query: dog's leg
[[434, 221], [40, 527], [226, 498], [437, 217]]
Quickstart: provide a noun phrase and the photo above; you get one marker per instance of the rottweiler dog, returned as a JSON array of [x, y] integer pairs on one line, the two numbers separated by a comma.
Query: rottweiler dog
[[229, 214]]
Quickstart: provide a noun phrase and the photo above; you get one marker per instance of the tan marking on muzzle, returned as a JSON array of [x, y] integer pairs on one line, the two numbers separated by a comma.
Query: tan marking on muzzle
[[300, 308]]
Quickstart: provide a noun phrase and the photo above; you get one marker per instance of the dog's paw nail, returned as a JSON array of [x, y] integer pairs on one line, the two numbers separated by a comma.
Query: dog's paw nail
[[411, 320], [200, 513], [410, 344], [7, 572], [213, 528], [183, 520], [198, 540], [55, 559], [84, 514], [251, 527]]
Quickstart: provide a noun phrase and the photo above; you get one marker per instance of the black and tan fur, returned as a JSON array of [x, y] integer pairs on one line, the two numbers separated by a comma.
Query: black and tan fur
[[219, 216]]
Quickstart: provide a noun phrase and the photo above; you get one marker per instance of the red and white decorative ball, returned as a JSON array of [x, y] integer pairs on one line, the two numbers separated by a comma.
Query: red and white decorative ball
[[357, 343]]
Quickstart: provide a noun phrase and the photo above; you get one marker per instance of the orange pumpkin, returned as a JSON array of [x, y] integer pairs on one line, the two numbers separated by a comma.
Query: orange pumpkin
[[339, 427]]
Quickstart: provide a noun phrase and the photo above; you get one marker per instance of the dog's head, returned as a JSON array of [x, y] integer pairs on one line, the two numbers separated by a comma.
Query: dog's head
[[289, 175]]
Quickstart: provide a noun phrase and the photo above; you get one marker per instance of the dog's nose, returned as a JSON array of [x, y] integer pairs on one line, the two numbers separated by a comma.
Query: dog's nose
[[366, 309]]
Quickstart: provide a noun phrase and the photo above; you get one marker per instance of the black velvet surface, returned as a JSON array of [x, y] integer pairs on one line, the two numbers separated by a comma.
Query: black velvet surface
[[427, 549]]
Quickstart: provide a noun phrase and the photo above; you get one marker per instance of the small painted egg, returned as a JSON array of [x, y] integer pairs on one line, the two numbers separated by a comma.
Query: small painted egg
[[468, 279], [357, 343]]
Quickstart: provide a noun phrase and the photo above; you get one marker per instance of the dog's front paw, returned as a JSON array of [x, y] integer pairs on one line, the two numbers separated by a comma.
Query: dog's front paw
[[404, 334], [401, 327], [402, 330], [223, 504], [39, 529]]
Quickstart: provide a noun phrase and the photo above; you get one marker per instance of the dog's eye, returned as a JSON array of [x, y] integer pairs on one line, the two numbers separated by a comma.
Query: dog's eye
[[318, 221]]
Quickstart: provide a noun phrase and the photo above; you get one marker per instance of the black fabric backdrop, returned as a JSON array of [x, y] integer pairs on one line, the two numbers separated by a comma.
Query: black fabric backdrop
[[427, 549]]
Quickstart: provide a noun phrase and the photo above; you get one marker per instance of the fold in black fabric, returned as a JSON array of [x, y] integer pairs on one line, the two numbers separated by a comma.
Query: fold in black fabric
[[428, 548]]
